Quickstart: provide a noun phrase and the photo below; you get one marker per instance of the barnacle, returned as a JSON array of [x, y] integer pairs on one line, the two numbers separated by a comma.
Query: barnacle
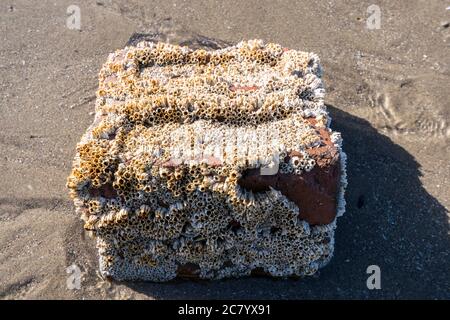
[[159, 175]]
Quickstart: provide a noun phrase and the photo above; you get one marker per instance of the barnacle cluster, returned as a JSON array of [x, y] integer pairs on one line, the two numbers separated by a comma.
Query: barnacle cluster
[[156, 176]]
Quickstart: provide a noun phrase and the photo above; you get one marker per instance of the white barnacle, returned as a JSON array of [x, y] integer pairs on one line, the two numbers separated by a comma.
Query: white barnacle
[[295, 161]]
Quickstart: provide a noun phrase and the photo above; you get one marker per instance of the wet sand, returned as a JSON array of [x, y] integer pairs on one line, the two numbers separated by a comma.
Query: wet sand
[[387, 90]]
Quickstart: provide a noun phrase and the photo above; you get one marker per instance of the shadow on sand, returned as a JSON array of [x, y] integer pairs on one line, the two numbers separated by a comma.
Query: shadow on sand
[[391, 221]]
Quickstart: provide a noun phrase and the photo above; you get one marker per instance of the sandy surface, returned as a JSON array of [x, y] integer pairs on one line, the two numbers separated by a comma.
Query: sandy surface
[[388, 93]]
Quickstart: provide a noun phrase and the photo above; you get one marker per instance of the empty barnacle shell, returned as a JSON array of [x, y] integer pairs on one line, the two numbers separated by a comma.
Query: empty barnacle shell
[[295, 161], [163, 172], [303, 163], [90, 223], [122, 215]]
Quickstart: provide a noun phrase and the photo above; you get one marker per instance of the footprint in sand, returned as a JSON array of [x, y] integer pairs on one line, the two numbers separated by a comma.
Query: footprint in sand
[[408, 108]]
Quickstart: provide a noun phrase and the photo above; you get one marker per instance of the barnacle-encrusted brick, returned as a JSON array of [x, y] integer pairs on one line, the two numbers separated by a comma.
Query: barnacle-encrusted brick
[[210, 163]]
